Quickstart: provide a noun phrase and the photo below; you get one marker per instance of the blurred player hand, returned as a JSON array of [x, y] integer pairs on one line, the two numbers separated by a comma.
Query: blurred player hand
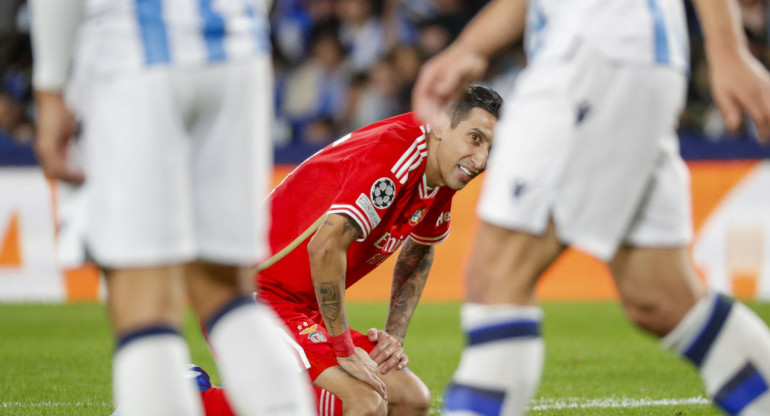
[[740, 83], [389, 352], [360, 366], [55, 126], [442, 78]]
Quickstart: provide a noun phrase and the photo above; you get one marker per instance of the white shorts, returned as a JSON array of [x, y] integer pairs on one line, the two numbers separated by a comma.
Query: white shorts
[[177, 162], [592, 145]]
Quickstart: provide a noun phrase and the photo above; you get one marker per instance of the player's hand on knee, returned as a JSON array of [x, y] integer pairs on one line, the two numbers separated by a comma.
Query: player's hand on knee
[[362, 367], [389, 352]]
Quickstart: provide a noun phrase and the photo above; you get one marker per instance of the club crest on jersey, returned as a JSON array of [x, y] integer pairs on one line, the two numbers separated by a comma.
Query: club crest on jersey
[[313, 335], [417, 216], [383, 193]]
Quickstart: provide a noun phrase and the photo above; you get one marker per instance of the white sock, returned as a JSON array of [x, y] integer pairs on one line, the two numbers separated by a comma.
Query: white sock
[[502, 363], [148, 373], [730, 345], [261, 374]]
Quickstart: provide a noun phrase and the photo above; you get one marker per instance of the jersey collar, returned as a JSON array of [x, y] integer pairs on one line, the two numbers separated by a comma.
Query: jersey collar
[[425, 192]]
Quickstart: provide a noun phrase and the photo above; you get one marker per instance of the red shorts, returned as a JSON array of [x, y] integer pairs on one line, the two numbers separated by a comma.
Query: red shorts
[[307, 327]]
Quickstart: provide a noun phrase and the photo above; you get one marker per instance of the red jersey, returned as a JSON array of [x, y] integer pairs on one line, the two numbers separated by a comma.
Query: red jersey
[[376, 176]]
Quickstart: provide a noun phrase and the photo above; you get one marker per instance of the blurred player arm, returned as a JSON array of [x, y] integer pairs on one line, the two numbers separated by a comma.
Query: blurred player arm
[[739, 82], [54, 28], [443, 77], [409, 277], [327, 252]]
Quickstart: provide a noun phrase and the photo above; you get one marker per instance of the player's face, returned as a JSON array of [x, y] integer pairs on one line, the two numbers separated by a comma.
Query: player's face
[[463, 151]]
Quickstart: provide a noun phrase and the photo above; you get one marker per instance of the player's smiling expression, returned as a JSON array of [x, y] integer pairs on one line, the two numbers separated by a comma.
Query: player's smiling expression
[[458, 154]]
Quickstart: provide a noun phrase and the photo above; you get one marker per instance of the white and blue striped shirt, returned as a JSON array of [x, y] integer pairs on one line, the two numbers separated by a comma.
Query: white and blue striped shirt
[[637, 31], [119, 35]]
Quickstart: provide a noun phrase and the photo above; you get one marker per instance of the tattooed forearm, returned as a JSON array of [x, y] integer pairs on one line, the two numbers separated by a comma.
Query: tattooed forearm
[[329, 300], [327, 254], [409, 277]]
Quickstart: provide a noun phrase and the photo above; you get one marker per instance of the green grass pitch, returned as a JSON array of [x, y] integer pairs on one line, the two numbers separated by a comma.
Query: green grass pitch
[[55, 360]]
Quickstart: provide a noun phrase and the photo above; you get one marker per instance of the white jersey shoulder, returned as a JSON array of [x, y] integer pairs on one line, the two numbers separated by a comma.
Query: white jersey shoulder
[[641, 31], [129, 34]]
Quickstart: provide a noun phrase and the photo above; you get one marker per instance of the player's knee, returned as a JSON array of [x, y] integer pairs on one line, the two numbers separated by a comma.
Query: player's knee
[[658, 317], [415, 398], [365, 403]]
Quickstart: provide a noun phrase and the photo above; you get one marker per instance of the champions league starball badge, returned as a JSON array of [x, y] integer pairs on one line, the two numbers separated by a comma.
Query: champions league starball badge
[[383, 193]]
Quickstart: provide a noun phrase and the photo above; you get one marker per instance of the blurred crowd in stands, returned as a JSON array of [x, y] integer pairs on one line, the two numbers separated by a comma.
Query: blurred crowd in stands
[[342, 64]]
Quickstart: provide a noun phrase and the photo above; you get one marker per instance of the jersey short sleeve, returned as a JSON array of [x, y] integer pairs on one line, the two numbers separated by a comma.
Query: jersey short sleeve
[[376, 173], [434, 228]]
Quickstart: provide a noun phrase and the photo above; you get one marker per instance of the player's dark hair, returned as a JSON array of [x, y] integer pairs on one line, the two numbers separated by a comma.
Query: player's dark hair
[[475, 96]]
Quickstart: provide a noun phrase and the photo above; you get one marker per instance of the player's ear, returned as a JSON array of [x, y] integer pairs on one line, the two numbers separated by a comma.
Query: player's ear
[[441, 126]]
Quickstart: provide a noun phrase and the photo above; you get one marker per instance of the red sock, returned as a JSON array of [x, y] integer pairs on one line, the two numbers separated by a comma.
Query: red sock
[[215, 403], [328, 404]]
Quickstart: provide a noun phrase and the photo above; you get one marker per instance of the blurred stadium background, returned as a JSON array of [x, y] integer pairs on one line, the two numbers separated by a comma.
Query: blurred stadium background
[[342, 64], [339, 65]]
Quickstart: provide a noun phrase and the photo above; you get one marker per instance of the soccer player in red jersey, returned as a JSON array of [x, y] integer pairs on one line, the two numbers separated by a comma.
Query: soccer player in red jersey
[[338, 216]]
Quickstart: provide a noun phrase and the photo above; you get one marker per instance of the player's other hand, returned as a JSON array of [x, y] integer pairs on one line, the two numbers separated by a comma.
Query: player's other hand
[[360, 366], [740, 83], [442, 78], [55, 126], [389, 352]]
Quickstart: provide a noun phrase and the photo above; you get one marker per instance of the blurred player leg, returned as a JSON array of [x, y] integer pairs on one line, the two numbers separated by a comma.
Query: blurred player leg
[[662, 294], [169, 127], [151, 355], [501, 366], [137, 228], [728, 343], [232, 162], [261, 374]]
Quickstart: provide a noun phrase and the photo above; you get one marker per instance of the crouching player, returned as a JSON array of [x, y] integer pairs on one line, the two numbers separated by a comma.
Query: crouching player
[[338, 216]]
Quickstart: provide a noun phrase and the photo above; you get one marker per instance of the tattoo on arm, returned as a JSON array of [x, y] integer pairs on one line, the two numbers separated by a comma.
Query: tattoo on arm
[[409, 277], [351, 226], [329, 300], [348, 226]]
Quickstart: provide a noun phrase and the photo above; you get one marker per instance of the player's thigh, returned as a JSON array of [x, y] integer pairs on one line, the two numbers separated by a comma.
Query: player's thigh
[[137, 298], [357, 397], [232, 161], [657, 285], [137, 194], [212, 286], [505, 264]]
